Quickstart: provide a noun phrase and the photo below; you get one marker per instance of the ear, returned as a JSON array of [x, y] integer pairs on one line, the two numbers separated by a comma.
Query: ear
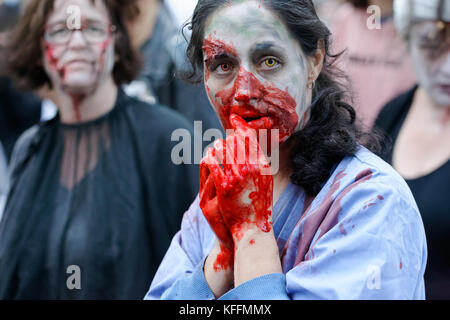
[[316, 62]]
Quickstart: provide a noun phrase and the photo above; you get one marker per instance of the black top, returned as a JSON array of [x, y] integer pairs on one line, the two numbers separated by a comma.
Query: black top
[[432, 194], [103, 196]]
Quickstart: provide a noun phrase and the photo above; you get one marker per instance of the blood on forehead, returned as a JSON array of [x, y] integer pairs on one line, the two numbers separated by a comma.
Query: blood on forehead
[[213, 47]]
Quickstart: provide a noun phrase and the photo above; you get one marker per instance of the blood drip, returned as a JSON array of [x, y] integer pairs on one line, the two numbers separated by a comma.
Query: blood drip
[[53, 61], [76, 104]]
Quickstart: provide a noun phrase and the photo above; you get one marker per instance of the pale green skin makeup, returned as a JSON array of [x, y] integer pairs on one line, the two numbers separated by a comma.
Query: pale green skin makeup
[[246, 25], [83, 77]]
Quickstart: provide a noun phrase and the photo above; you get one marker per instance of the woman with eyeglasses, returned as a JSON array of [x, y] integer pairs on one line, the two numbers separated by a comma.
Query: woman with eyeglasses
[[418, 125], [95, 196]]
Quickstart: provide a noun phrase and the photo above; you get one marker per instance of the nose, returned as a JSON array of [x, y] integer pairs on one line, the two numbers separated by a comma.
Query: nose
[[77, 40], [247, 86]]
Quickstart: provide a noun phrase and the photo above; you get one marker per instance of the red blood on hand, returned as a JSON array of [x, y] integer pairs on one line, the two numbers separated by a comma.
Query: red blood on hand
[[210, 209], [234, 196]]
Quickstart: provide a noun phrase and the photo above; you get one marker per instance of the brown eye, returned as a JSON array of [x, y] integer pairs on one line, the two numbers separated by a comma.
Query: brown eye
[[225, 67]]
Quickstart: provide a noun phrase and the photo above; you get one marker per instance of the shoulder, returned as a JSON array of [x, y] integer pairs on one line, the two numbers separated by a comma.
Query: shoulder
[[366, 188], [366, 169], [22, 145], [363, 228]]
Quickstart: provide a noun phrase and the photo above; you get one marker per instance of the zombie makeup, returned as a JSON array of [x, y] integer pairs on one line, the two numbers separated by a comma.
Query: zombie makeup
[[430, 52], [78, 65], [254, 68], [256, 77]]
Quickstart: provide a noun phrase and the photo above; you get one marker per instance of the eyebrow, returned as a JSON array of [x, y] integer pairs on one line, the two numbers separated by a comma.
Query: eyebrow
[[222, 55], [263, 48]]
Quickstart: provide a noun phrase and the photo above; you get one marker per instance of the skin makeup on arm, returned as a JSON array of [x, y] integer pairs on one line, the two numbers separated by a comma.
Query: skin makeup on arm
[[256, 77], [80, 69]]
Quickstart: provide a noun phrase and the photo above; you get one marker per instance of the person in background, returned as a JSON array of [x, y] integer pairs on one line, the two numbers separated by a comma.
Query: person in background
[[375, 58], [418, 125], [157, 34], [95, 194]]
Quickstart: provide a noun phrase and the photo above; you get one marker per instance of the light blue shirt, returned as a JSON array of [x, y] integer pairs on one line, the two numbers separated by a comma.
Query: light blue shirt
[[361, 237]]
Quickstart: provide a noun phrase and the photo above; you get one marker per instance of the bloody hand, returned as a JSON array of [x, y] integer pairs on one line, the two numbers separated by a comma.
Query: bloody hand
[[235, 195]]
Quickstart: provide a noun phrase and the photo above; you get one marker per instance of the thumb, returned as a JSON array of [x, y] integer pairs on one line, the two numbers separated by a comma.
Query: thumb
[[238, 123]]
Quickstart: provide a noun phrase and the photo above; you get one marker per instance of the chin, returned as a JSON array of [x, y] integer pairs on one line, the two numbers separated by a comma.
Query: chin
[[78, 87]]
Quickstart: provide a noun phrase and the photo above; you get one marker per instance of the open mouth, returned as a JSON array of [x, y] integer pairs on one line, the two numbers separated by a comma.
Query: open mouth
[[250, 119], [261, 122]]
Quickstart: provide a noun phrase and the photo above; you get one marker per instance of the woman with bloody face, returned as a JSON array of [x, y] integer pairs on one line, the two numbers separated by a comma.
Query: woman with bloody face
[[95, 196], [418, 125], [330, 220]]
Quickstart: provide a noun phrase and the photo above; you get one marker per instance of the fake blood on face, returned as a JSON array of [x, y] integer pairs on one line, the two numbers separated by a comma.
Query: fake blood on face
[[53, 61], [214, 47], [262, 105]]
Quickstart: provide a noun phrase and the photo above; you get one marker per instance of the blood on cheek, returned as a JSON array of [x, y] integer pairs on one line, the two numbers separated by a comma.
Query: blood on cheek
[[53, 60], [279, 105]]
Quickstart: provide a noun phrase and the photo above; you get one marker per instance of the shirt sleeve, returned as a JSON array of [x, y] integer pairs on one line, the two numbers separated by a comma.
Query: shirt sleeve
[[267, 287], [377, 250]]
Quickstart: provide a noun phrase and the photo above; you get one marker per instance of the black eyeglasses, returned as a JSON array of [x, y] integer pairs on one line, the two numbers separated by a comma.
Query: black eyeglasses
[[93, 32]]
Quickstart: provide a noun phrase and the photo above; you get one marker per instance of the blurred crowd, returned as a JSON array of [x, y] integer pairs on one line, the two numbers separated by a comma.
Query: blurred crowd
[[396, 54]]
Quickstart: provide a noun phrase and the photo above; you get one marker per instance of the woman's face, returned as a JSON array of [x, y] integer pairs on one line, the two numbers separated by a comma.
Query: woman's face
[[430, 53], [254, 68], [81, 63]]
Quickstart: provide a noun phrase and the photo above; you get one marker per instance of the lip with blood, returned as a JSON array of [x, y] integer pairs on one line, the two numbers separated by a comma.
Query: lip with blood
[[61, 70], [235, 197], [261, 105]]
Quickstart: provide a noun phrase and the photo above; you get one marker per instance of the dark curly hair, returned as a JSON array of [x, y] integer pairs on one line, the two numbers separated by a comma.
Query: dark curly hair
[[332, 132], [25, 52]]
